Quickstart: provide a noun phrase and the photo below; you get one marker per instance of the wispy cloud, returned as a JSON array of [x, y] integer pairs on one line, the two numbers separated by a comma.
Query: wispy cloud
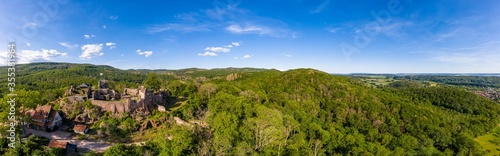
[[321, 7], [450, 34], [145, 53], [111, 45], [28, 56], [287, 55], [211, 51], [236, 28], [332, 30], [91, 50], [68, 45], [249, 28], [177, 27], [188, 17], [231, 18], [113, 17], [395, 28], [484, 55], [228, 12]]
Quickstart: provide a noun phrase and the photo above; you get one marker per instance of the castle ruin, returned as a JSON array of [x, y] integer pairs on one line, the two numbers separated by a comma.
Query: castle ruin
[[136, 101]]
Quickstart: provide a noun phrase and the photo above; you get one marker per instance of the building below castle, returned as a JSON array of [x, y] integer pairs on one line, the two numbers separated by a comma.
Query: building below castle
[[43, 118]]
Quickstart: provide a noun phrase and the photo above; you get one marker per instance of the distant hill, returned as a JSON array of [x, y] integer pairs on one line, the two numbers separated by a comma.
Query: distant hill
[[57, 76]]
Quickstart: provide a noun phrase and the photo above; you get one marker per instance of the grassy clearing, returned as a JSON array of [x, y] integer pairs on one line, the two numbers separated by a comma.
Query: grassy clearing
[[491, 142], [178, 103], [151, 134]]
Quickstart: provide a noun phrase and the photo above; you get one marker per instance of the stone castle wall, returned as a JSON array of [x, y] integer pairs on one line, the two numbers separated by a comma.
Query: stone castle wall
[[114, 106], [131, 91]]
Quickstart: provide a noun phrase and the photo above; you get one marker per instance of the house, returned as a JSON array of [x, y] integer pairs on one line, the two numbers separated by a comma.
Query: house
[[43, 118], [81, 129], [70, 148], [83, 85]]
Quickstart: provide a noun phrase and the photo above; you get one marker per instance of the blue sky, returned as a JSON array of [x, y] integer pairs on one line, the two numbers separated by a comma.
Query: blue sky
[[336, 36]]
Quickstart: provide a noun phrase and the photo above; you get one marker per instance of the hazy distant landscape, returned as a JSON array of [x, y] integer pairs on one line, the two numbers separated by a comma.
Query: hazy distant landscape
[[239, 77]]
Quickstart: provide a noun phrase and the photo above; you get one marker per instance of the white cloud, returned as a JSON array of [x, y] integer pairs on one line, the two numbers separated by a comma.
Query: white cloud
[[145, 53], [247, 56], [248, 29], [111, 45], [211, 51], [28, 44], [113, 17], [88, 36], [218, 49], [235, 44], [68, 45], [28, 56], [104, 26], [288, 55], [91, 50], [244, 57], [208, 54]]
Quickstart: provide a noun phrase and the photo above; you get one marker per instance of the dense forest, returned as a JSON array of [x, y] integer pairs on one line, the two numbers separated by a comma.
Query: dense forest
[[268, 112], [471, 81]]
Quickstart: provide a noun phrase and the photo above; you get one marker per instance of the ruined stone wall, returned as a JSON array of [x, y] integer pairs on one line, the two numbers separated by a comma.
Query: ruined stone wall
[[119, 107], [114, 106], [131, 92], [142, 94]]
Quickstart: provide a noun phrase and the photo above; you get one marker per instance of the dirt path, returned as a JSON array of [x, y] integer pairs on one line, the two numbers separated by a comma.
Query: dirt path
[[57, 135], [83, 145]]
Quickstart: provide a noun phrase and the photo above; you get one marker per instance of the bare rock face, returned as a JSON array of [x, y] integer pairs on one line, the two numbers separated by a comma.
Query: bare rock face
[[161, 108], [232, 77], [147, 125]]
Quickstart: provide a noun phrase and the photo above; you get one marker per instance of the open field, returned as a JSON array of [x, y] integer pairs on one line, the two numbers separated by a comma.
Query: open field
[[491, 142]]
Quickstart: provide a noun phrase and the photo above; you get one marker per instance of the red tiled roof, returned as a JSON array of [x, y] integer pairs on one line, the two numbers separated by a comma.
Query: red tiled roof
[[58, 144], [45, 109], [40, 114], [80, 128]]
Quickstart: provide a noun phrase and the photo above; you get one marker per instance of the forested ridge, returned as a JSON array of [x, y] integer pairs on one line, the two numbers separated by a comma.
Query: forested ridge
[[297, 112], [471, 81]]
